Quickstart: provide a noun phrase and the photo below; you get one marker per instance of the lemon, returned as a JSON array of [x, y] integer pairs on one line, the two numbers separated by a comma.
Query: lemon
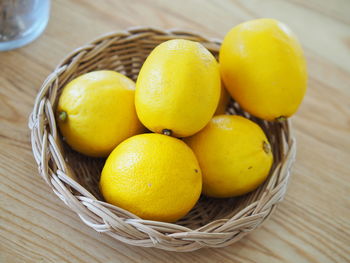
[[263, 67], [96, 111], [223, 101], [154, 176], [234, 155], [178, 88]]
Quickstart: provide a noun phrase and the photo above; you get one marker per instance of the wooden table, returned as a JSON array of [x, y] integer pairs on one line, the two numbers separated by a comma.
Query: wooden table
[[313, 222]]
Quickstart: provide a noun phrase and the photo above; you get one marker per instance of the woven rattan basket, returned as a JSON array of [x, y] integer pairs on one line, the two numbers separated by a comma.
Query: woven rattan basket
[[74, 177]]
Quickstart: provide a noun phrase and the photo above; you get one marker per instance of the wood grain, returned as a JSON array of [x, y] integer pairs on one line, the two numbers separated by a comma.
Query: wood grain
[[311, 225]]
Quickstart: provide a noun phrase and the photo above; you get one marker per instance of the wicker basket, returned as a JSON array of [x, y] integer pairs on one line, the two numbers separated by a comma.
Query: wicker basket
[[74, 177]]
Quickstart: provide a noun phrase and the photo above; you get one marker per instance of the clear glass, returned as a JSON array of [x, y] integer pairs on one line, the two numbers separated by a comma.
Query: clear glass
[[22, 21]]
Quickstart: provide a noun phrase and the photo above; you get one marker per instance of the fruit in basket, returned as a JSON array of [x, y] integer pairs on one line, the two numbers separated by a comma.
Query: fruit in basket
[[234, 155], [223, 101], [263, 67], [178, 88], [154, 176], [96, 111]]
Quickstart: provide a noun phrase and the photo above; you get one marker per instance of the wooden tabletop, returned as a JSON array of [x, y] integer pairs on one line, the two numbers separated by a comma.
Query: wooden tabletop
[[312, 224]]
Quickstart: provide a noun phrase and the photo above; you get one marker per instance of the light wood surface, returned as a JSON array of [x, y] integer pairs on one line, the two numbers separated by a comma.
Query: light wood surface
[[313, 222]]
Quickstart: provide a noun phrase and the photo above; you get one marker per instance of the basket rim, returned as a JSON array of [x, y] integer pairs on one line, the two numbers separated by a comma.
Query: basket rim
[[46, 148]]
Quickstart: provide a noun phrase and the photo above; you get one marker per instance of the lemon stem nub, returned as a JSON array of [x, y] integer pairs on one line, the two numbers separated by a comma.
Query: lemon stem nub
[[63, 116], [167, 132], [266, 147], [281, 119]]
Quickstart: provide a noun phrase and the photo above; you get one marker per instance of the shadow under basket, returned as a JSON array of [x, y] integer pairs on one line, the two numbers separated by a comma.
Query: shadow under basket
[[74, 177]]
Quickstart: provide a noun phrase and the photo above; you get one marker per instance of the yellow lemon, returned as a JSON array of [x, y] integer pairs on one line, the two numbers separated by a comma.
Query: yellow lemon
[[263, 67], [178, 88], [96, 111], [234, 155], [223, 101], [154, 176]]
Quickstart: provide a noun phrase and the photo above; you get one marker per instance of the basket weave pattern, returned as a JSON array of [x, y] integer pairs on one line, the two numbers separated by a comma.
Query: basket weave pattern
[[74, 177]]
